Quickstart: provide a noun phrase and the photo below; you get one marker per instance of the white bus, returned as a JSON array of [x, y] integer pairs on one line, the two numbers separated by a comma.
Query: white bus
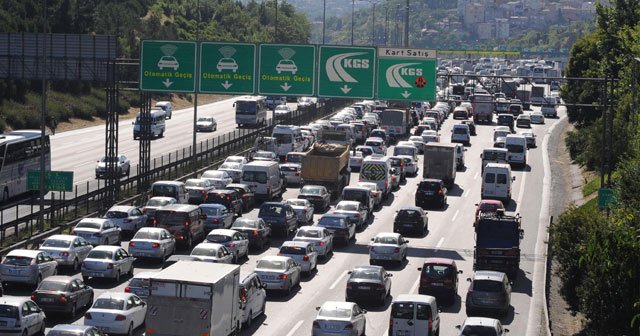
[[19, 153], [158, 117], [251, 110]]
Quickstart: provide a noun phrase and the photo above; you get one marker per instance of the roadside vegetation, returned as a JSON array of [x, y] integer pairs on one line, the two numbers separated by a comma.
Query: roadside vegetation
[[599, 253], [131, 21]]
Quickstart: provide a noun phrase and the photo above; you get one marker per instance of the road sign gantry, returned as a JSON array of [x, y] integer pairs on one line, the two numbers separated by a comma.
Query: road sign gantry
[[346, 72], [406, 74], [287, 70], [227, 68], [168, 66]]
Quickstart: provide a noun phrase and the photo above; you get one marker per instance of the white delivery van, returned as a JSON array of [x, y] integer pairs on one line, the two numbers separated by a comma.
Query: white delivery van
[[264, 179], [167, 107], [493, 155], [288, 139], [516, 146], [496, 182], [413, 315], [157, 122], [460, 133], [174, 189], [377, 169]]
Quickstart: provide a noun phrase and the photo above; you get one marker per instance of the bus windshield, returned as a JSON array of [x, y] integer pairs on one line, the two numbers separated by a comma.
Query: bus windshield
[[246, 107]]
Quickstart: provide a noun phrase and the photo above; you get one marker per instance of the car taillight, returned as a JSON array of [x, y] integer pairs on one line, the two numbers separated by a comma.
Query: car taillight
[[64, 254], [127, 290], [132, 244], [155, 222], [215, 220], [348, 327], [380, 286], [155, 245], [440, 191], [316, 324], [202, 192], [232, 245], [357, 215], [110, 266], [87, 316], [63, 298], [33, 297], [305, 258], [186, 223], [282, 276], [321, 243], [297, 173], [254, 233], [430, 326], [120, 317], [349, 285], [396, 250], [144, 210]]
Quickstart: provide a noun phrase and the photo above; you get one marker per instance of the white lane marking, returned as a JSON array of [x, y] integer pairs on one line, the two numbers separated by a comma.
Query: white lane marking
[[466, 193], [414, 286], [475, 177], [523, 182], [439, 243], [295, 328], [335, 283], [386, 332], [455, 215]]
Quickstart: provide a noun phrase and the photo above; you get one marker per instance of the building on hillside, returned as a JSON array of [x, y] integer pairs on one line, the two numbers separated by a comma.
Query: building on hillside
[[485, 30], [502, 29]]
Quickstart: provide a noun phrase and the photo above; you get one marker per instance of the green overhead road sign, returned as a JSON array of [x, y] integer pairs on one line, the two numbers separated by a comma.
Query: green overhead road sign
[[287, 70], [227, 67], [406, 74], [168, 66], [53, 180], [346, 72]]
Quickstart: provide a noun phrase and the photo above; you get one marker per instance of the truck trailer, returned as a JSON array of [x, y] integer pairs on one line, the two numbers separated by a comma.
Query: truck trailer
[[327, 165], [440, 162]]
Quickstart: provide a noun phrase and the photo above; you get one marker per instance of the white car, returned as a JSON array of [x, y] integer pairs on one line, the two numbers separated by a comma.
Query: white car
[[116, 313], [320, 237], [355, 161], [530, 137], [430, 136], [218, 178], [107, 262], [537, 118], [281, 112], [549, 110], [461, 133], [212, 252], [122, 165], [208, 124], [237, 159], [339, 318], [501, 132], [292, 173], [410, 165], [265, 156], [375, 192], [356, 212], [303, 253], [388, 246], [481, 326], [67, 250], [127, 217], [98, 231], [236, 242], [303, 208], [419, 142], [21, 316], [27, 267], [234, 169], [152, 242]]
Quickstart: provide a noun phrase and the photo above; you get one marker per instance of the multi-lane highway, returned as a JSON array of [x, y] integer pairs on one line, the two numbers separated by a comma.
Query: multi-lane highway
[[451, 233]]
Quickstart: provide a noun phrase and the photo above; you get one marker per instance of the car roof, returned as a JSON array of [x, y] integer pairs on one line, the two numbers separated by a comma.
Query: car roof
[[275, 258], [369, 267], [348, 202], [106, 248], [94, 220], [13, 300], [415, 298], [310, 228], [409, 207], [71, 327], [489, 275], [335, 216], [212, 206], [24, 252], [63, 237], [440, 261], [144, 275], [225, 232], [115, 295], [388, 234], [481, 321], [490, 201], [297, 243], [431, 180], [338, 304], [59, 278], [162, 198]]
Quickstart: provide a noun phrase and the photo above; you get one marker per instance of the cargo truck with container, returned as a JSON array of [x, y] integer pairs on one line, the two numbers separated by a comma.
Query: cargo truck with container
[[537, 94], [524, 94], [327, 165], [483, 107], [440, 162], [194, 298], [497, 246], [397, 123], [509, 88]]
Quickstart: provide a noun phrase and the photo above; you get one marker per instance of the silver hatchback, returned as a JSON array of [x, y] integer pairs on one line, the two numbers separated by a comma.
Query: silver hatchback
[[67, 250], [27, 266]]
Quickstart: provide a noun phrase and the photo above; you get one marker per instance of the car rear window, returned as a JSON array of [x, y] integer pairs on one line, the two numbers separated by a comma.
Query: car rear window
[[54, 286], [332, 222], [354, 195], [17, 261], [408, 214], [288, 169], [271, 210], [502, 179], [154, 235], [515, 148], [103, 303], [297, 250], [163, 190], [88, 225], [423, 312], [253, 176], [217, 238], [402, 310], [97, 254], [211, 211], [427, 185], [308, 233], [365, 274], [347, 206], [271, 264], [386, 240], [8, 311], [170, 218], [218, 198], [115, 214], [56, 243], [139, 282], [490, 178], [487, 286], [245, 223], [437, 271], [335, 312], [478, 331]]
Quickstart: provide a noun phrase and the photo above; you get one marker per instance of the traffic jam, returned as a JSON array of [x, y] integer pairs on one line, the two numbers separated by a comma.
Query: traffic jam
[[218, 250]]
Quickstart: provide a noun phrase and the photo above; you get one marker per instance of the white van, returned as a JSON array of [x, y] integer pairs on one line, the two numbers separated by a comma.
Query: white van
[[377, 169], [496, 182], [288, 139], [350, 130], [516, 146], [167, 107], [493, 155], [158, 118], [263, 177], [175, 189], [413, 314], [461, 133], [409, 150]]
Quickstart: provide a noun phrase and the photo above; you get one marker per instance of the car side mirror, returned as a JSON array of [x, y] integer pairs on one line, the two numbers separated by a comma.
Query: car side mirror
[[468, 279], [506, 330], [364, 311], [143, 303], [318, 308], [464, 149], [458, 327], [390, 275], [513, 178]]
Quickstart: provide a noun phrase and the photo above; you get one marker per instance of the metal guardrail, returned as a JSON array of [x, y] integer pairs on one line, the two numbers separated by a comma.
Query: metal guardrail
[[63, 213]]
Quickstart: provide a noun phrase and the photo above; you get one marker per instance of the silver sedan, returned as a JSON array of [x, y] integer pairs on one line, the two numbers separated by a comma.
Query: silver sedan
[[234, 169], [27, 266], [212, 252], [280, 273], [303, 209], [152, 243], [67, 250], [107, 262], [127, 217], [387, 246], [319, 236]]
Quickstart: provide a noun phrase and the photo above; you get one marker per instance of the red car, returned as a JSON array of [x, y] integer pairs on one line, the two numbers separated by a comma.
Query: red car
[[488, 206]]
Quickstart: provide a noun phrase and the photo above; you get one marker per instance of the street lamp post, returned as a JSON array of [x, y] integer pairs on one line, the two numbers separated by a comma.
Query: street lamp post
[[324, 18], [275, 23], [386, 24], [373, 24], [353, 7]]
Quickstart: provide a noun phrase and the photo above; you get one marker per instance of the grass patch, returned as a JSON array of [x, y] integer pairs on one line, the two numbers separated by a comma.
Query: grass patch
[[591, 186]]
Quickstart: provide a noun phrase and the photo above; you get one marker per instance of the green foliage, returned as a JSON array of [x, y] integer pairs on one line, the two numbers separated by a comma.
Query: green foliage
[[591, 186]]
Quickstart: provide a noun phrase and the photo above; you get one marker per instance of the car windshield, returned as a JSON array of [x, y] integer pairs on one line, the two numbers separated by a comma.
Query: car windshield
[[332, 222], [298, 250], [218, 238], [297, 202], [386, 240], [272, 264], [56, 243], [478, 331], [253, 176], [459, 130], [309, 234], [515, 148], [213, 174], [157, 202], [143, 234], [311, 190], [334, 312], [53, 286], [245, 223], [487, 286], [204, 251], [97, 254], [113, 304], [194, 183], [347, 206], [212, 211], [9, 311], [115, 214], [365, 274], [17, 261], [89, 225]]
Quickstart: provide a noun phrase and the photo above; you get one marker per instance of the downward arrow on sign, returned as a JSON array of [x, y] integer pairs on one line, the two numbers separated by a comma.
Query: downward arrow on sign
[[406, 94], [226, 85], [345, 89], [167, 83], [285, 87]]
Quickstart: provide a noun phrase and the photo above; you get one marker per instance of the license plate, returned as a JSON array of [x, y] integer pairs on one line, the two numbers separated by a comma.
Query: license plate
[[407, 225], [269, 277], [437, 284], [103, 328], [139, 293], [429, 193], [496, 261], [47, 299], [365, 287], [496, 252], [402, 333], [94, 274]]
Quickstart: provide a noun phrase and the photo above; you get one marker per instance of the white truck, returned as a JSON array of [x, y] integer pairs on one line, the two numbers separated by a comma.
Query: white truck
[[440, 162], [194, 298]]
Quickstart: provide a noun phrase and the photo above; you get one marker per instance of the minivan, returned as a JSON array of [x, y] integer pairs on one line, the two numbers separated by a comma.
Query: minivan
[[516, 146], [166, 107], [493, 155], [288, 139], [173, 189], [506, 120], [263, 177], [461, 133], [413, 314], [496, 182], [439, 278], [157, 120], [280, 216], [359, 194], [185, 222]]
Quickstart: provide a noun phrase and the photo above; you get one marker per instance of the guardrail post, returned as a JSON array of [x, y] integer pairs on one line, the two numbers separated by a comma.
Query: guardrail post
[[86, 201], [75, 199]]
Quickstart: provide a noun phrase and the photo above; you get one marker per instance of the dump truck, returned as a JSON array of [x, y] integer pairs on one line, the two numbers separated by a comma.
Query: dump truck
[[334, 137], [440, 162], [194, 298], [497, 246], [327, 165]]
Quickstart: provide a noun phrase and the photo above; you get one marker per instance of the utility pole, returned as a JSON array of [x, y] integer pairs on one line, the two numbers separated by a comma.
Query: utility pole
[[373, 24], [194, 152], [275, 23], [353, 8], [397, 32], [386, 24], [406, 25], [324, 18], [43, 119]]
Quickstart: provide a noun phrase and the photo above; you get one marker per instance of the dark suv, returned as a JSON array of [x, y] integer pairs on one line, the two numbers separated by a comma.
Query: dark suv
[[280, 216], [246, 195], [439, 278], [229, 198], [410, 218], [185, 222], [431, 191]]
